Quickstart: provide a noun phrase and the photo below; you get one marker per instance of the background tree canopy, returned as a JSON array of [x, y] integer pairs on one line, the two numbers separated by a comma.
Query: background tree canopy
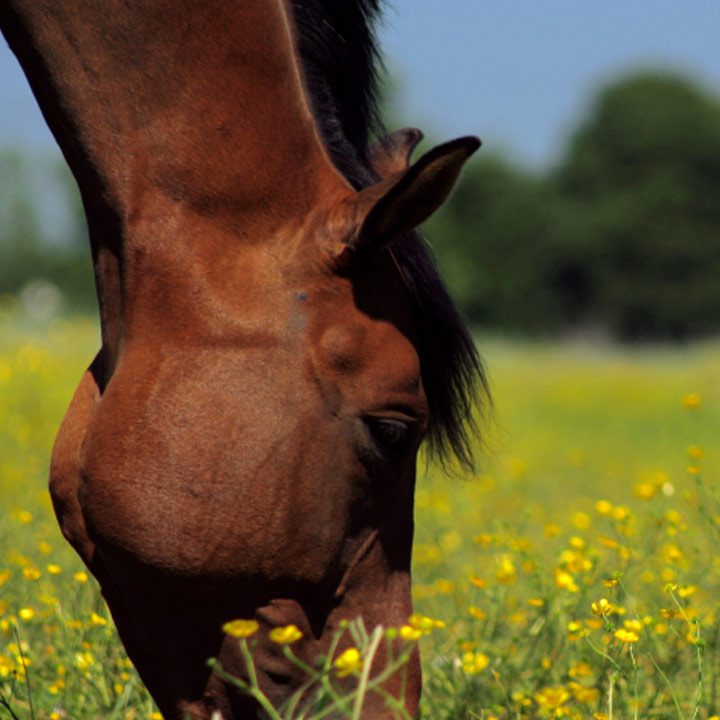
[[621, 235]]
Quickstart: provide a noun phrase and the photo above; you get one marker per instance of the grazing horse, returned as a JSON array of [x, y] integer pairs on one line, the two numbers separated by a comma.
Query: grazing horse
[[276, 342]]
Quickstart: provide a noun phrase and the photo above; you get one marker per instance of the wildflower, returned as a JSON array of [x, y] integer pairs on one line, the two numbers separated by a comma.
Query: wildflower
[[634, 625], [506, 572], [581, 520], [476, 612], [626, 636], [661, 628], [409, 633], [551, 698], [693, 469], [565, 580], [285, 635], [577, 543], [424, 624], [604, 507], [474, 662], [696, 453], [536, 602], [444, 587], [5, 575], [349, 662], [81, 577], [54, 569], [44, 547], [96, 620], [601, 607], [24, 517], [484, 539], [552, 530], [610, 583], [608, 542], [583, 694], [645, 490], [240, 628], [26, 613], [477, 581], [580, 669], [691, 401]]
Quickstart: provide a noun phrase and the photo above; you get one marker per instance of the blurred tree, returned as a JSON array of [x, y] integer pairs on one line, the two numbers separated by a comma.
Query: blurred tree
[[43, 237], [642, 173], [501, 240]]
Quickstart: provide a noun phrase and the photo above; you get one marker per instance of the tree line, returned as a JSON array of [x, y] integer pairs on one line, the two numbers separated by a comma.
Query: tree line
[[621, 235]]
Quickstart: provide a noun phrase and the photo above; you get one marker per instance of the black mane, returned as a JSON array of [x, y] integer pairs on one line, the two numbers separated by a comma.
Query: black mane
[[340, 62]]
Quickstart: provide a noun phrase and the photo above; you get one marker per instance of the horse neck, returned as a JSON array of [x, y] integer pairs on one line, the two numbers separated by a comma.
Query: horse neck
[[172, 103]]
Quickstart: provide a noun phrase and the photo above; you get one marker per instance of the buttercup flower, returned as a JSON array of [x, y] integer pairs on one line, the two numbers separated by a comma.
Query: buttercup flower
[[240, 628], [474, 662], [285, 635], [626, 636], [349, 662]]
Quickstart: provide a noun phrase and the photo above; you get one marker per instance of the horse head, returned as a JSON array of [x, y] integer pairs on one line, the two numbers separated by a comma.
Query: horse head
[[244, 444]]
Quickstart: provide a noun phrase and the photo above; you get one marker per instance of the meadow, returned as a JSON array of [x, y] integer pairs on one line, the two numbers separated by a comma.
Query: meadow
[[575, 575]]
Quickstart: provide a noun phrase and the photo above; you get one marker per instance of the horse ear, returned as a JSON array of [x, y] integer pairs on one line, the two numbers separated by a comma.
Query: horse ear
[[391, 154], [385, 211]]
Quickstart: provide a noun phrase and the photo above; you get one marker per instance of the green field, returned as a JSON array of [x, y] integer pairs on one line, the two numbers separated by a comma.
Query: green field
[[596, 482]]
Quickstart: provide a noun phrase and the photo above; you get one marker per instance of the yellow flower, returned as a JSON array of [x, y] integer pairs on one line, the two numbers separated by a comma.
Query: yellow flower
[[645, 490], [626, 636], [506, 572], [26, 613], [96, 620], [407, 632], [552, 530], [44, 547], [476, 612], [551, 698], [687, 590], [581, 520], [24, 517], [240, 628], [285, 635], [635, 625], [583, 694], [54, 569], [696, 453], [424, 624], [577, 543], [349, 662], [477, 581], [81, 576], [604, 507], [581, 669], [565, 580], [536, 602], [601, 607], [474, 662], [31, 573], [691, 401]]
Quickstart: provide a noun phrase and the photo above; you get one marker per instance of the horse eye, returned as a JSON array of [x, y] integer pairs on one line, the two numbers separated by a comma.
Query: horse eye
[[390, 434]]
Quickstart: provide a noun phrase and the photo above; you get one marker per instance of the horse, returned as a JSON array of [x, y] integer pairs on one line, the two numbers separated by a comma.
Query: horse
[[276, 342]]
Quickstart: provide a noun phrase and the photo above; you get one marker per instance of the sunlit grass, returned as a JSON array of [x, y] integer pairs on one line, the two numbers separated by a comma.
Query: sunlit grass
[[576, 574]]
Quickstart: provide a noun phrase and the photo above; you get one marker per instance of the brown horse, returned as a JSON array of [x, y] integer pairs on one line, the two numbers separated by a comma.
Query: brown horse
[[275, 340]]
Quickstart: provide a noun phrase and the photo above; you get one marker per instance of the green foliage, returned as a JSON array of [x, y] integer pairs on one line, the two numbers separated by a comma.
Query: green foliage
[[623, 234], [36, 257]]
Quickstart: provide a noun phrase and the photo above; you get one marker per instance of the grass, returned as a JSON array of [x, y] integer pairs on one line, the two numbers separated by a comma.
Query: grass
[[576, 575]]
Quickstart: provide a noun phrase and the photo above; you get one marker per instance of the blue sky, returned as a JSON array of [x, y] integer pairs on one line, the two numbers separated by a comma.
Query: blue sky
[[518, 73]]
